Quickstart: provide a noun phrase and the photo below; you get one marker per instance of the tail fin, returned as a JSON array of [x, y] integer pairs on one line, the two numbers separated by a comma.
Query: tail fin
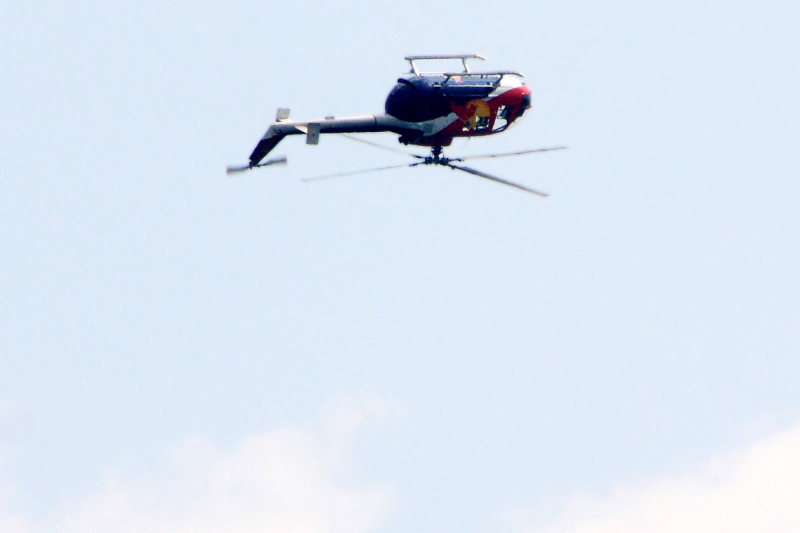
[[265, 146], [271, 138]]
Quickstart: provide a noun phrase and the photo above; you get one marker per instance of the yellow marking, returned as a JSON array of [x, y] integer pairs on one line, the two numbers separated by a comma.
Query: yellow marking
[[478, 109]]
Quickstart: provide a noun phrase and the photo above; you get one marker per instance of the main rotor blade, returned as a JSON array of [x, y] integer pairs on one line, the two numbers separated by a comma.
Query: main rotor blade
[[376, 145], [353, 173], [277, 161], [495, 178], [523, 152]]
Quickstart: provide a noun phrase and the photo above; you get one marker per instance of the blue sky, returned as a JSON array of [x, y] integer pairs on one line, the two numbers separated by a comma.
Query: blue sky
[[415, 349]]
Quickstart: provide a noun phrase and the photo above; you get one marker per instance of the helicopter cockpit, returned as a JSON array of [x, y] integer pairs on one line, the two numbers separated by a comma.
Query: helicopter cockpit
[[438, 82]]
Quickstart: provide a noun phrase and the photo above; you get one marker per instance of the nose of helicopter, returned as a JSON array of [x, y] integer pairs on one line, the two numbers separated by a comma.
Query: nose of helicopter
[[525, 100]]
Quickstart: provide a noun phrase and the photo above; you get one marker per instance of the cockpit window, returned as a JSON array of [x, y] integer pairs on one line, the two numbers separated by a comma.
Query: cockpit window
[[504, 114]]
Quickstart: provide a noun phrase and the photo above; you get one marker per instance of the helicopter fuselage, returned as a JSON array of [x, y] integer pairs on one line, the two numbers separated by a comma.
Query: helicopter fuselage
[[445, 106], [423, 108]]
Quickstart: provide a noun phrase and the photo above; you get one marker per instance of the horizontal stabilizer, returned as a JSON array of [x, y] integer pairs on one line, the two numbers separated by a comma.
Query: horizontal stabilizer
[[312, 135]]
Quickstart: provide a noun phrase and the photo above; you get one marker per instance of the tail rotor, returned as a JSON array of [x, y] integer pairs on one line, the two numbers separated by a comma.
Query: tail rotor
[[277, 161]]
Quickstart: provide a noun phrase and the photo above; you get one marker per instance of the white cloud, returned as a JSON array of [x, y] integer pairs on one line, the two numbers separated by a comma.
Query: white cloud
[[755, 489], [12, 524], [284, 481], [279, 481]]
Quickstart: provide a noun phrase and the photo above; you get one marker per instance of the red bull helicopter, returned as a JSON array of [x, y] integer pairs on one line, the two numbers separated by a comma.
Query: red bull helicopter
[[425, 109]]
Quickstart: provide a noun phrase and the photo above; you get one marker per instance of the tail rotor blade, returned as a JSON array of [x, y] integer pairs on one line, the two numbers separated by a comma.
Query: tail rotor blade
[[234, 170], [498, 180], [277, 161], [523, 152]]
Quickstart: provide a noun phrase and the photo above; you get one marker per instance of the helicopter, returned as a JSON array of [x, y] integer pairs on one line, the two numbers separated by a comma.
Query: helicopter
[[425, 108]]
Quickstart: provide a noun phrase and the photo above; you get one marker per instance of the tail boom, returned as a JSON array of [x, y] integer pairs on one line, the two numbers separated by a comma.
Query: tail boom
[[364, 124]]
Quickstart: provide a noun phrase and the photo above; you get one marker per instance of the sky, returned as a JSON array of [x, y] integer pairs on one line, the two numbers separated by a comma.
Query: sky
[[415, 350]]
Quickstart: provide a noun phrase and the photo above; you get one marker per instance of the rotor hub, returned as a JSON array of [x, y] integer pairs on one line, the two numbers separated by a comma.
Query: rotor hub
[[436, 157]]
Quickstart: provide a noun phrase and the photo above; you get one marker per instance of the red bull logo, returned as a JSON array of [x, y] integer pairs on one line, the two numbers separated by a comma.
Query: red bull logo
[[479, 115]]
